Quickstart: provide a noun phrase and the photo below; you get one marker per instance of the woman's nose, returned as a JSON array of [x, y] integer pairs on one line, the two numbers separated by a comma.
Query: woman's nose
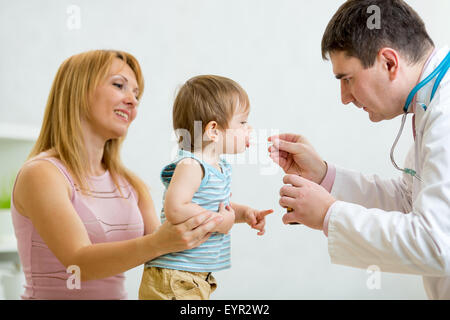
[[130, 99]]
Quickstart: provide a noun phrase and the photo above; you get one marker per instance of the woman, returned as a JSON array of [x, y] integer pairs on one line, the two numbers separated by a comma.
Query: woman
[[74, 203]]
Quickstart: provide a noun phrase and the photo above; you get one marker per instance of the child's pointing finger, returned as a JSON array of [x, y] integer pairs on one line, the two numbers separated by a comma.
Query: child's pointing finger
[[265, 213]]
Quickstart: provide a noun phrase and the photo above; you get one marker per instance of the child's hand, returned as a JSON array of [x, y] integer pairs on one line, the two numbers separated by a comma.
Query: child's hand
[[256, 219]]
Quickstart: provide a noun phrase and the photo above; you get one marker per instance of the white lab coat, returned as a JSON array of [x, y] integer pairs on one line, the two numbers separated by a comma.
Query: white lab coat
[[402, 225]]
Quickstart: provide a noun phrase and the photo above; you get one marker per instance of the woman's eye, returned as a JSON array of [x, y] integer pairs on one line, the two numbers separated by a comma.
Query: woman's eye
[[118, 85]]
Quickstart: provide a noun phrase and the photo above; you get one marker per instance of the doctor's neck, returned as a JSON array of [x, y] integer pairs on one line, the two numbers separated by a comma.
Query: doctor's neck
[[414, 73]]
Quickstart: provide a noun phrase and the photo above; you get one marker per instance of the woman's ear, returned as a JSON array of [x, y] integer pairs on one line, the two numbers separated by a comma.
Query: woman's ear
[[211, 131]]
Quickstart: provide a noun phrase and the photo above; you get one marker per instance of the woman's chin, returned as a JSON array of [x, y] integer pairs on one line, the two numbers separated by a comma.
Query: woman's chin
[[118, 133]]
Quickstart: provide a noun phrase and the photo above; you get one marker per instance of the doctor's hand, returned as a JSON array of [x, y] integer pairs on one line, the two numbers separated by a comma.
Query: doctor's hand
[[295, 155], [310, 202]]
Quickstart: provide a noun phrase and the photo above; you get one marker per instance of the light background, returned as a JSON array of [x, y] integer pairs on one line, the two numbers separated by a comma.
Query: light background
[[272, 48]]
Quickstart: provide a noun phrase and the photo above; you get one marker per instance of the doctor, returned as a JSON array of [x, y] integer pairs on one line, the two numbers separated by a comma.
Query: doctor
[[401, 225]]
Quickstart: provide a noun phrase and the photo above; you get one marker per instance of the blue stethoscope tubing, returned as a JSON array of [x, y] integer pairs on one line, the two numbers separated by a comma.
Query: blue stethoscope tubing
[[439, 74]]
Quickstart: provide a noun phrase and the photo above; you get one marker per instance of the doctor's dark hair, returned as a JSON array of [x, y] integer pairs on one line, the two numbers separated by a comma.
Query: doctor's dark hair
[[400, 28]]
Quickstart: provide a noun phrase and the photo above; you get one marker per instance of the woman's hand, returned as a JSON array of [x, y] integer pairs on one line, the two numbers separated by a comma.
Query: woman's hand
[[295, 155], [229, 216], [186, 235]]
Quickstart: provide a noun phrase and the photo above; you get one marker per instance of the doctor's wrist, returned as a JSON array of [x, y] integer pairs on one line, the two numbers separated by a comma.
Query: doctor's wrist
[[320, 172], [326, 220]]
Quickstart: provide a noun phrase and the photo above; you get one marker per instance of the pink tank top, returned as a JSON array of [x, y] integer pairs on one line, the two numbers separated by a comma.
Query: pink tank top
[[107, 216]]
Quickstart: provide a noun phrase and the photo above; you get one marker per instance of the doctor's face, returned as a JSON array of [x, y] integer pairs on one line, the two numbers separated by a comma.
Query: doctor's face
[[370, 89]]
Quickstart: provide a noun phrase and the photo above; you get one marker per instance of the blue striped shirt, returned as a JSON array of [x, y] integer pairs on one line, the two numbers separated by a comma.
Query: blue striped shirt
[[215, 253]]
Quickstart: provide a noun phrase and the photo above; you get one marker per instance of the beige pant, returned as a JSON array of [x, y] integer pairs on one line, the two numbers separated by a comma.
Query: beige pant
[[167, 284]]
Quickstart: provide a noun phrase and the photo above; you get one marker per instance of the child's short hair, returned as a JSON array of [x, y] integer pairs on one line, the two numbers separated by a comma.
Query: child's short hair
[[206, 98]]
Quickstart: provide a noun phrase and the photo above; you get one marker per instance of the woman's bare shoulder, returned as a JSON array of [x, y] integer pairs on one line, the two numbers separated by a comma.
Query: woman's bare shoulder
[[35, 176]]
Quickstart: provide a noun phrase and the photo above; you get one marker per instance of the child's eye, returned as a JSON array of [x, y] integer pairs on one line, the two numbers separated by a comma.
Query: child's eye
[[243, 122]]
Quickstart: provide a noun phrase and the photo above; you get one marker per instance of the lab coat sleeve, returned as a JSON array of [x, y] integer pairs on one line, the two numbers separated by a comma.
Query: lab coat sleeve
[[417, 242], [372, 191]]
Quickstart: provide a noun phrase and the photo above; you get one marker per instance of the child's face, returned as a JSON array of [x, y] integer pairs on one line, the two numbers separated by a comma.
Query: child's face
[[236, 137]]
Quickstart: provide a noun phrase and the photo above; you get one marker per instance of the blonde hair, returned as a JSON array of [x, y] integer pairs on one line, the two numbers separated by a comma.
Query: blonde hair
[[206, 98], [68, 101]]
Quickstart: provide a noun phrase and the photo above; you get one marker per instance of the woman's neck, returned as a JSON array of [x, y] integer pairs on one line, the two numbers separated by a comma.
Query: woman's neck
[[95, 157], [94, 147]]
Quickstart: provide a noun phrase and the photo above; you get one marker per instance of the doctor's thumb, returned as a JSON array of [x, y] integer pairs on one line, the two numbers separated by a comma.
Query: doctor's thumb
[[289, 218]]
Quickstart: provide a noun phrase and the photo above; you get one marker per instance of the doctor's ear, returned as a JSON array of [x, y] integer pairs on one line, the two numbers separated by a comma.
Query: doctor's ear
[[390, 60], [211, 131]]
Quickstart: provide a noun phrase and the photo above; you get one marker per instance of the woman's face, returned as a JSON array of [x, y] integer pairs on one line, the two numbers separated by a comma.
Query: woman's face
[[114, 103]]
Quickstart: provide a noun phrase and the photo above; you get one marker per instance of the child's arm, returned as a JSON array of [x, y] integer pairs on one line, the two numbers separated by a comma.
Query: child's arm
[[178, 205], [254, 218], [240, 211]]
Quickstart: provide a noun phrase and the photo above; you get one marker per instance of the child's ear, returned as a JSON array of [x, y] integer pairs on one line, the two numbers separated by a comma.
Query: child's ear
[[211, 131]]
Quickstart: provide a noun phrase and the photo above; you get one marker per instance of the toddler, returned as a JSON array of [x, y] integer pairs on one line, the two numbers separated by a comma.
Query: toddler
[[210, 118]]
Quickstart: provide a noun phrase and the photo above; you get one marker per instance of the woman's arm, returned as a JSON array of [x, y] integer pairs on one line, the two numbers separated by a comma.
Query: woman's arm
[[148, 212], [43, 195], [178, 205]]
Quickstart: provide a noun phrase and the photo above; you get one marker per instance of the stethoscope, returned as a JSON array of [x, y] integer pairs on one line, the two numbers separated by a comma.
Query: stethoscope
[[439, 72]]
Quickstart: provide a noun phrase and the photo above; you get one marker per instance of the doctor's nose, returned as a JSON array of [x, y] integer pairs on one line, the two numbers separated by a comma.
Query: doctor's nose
[[346, 96]]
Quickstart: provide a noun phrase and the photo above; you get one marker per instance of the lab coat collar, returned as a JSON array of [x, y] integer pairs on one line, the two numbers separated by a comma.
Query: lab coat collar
[[424, 94]]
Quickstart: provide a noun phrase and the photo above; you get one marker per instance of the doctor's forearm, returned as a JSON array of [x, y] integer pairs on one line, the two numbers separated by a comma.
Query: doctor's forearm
[[371, 191], [360, 237]]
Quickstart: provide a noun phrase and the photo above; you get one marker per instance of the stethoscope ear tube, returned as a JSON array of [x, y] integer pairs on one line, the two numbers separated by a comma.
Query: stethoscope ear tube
[[396, 141], [440, 71], [405, 170]]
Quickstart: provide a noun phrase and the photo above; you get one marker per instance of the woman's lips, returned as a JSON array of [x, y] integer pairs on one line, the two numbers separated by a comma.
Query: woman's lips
[[124, 115]]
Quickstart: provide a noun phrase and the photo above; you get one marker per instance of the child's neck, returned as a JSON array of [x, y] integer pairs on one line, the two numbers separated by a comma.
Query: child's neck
[[209, 154]]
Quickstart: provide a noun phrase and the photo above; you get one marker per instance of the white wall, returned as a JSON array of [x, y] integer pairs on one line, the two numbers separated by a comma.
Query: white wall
[[272, 48]]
